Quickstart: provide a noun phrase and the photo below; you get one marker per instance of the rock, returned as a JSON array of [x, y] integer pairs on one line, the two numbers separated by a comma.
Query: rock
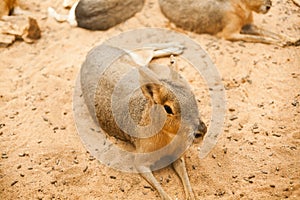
[[14, 183]]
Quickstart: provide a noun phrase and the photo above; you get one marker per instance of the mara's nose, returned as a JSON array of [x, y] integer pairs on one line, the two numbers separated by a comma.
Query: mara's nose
[[268, 8], [202, 129]]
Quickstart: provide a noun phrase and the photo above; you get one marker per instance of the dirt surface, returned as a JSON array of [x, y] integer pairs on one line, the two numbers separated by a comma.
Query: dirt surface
[[257, 155]]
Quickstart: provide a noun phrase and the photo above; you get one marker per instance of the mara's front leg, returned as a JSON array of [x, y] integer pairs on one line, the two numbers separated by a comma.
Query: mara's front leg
[[180, 168]]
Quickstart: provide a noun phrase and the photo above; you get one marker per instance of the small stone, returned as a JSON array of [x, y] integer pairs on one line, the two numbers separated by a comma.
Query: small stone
[[45, 119], [53, 182], [4, 156], [232, 118], [91, 158], [252, 176], [295, 103], [147, 187], [255, 126], [272, 186], [22, 154], [255, 131], [22, 175], [14, 183], [85, 169], [19, 166], [276, 135], [113, 177], [231, 109]]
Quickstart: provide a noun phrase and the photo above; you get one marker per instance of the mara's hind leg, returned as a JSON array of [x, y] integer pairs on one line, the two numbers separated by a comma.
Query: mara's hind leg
[[255, 30], [58, 17], [71, 18], [143, 56], [233, 32]]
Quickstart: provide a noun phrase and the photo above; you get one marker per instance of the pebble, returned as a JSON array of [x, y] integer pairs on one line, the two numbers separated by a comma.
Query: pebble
[[91, 158], [4, 155], [255, 126], [272, 186], [295, 103], [232, 118], [85, 169], [14, 183], [147, 187], [276, 135], [22, 154], [112, 177], [45, 119]]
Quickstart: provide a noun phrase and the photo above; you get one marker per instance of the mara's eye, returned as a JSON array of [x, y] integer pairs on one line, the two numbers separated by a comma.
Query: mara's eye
[[168, 109]]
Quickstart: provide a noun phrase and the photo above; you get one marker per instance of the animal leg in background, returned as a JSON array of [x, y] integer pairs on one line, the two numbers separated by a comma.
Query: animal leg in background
[[255, 30], [71, 18]]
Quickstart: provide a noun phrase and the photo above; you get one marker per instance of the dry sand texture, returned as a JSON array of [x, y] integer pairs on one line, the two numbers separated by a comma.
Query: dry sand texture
[[257, 155]]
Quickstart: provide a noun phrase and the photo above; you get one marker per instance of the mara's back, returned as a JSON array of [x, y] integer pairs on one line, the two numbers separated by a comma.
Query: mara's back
[[201, 16]]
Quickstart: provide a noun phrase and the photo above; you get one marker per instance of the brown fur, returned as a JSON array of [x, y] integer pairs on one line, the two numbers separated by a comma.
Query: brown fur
[[7, 6], [227, 19]]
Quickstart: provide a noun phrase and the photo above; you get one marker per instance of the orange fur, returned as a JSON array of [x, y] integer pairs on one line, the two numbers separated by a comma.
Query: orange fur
[[7, 6]]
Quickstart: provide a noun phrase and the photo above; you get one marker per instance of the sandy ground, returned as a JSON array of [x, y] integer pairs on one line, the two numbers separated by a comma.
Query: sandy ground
[[256, 157]]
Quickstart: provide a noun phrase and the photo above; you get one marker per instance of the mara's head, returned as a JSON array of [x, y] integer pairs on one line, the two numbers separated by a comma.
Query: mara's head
[[259, 6], [177, 103]]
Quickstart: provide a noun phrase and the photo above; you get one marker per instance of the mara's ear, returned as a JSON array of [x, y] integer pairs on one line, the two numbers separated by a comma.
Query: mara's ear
[[150, 84]]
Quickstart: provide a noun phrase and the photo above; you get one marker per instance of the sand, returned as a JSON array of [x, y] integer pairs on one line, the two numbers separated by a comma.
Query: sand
[[257, 155]]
